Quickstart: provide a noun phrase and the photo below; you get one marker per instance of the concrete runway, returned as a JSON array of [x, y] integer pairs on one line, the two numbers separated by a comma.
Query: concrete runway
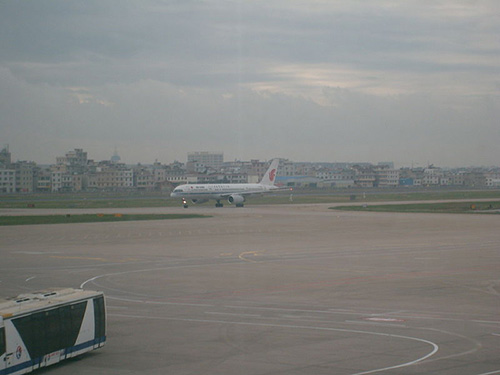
[[276, 290]]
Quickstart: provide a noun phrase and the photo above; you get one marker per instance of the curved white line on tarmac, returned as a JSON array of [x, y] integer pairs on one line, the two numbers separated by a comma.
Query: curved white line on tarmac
[[434, 351], [243, 256], [90, 280], [434, 346], [149, 269], [477, 344]]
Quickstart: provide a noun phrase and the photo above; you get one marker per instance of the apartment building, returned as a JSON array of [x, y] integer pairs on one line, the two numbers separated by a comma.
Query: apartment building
[[111, 177], [26, 176], [5, 157], [143, 178], [201, 161], [364, 177], [493, 179], [75, 161], [7, 180], [387, 177]]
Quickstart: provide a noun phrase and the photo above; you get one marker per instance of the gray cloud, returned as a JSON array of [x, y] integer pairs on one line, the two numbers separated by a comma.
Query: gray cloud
[[318, 80]]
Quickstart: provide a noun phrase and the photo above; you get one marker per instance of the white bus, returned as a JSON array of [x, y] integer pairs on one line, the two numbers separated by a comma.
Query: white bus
[[43, 328]]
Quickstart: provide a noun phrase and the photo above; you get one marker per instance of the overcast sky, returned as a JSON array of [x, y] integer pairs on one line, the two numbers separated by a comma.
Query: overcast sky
[[414, 81]]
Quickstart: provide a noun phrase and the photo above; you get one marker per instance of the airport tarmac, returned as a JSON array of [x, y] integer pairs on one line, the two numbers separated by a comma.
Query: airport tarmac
[[296, 289]]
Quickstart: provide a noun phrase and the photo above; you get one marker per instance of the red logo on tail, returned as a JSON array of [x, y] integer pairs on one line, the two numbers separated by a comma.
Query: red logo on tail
[[272, 175]]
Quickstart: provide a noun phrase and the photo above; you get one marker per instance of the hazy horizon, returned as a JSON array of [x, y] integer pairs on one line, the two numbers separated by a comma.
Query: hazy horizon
[[183, 159]]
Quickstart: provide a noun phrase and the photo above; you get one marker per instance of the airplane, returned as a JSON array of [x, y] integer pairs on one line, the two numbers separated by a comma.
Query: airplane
[[234, 193]]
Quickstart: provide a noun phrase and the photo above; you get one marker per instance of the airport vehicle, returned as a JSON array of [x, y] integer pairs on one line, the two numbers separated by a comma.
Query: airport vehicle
[[234, 193], [40, 329]]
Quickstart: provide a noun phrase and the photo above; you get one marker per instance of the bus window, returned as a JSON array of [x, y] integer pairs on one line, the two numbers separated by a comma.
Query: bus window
[[45, 332], [2, 341], [52, 328], [100, 318]]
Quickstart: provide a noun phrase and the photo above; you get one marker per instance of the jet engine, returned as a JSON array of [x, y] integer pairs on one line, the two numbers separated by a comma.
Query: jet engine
[[236, 199]]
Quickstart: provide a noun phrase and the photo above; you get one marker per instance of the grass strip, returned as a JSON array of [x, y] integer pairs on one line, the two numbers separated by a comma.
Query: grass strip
[[448, 207], [89, 203], [90, 218], [87, 200]]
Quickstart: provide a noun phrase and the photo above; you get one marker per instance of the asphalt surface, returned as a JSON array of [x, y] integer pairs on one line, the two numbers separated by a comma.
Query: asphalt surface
[[276, 290]]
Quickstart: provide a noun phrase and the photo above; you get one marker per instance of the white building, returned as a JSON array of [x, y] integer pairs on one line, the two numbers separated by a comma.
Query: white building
[[7, 181], [388, 177], [493, 179], [25, 176], [75, 161], [111, 178], [200, 161]]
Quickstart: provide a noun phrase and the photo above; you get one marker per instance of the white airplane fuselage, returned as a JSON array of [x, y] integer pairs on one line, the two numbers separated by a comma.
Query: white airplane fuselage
[[218, 191], [234, 193]]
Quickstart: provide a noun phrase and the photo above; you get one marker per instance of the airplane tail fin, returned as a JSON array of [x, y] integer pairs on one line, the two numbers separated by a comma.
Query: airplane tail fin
[[270, 174]]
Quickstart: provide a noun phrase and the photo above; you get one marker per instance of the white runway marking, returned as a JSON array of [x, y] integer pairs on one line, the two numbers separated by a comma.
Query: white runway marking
[[486, 321], [36, 252], [116, 307], [232, 314], [159, 302], [376, 324], [434, 346], [176, 266], [389, 313]]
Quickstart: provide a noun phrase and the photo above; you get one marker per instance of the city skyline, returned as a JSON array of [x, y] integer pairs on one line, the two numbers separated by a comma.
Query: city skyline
[[412, 82], [75, 171]]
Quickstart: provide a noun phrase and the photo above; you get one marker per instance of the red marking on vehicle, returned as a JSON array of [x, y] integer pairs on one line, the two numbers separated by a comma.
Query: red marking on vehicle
[[272, 174], [387, 320], [51, 355]]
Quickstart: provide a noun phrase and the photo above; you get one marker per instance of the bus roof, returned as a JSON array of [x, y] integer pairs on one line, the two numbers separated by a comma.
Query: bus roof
[[40, 300]]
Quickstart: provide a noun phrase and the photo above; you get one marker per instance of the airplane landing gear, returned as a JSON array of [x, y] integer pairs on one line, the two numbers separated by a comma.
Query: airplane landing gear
[[219, 204], [240, 205]]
